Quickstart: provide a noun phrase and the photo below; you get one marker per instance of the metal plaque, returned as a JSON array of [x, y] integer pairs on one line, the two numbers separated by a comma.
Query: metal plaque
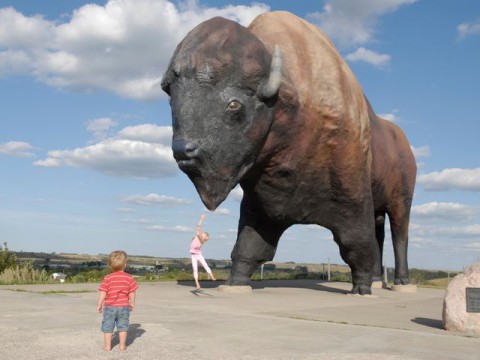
[[473, 300]]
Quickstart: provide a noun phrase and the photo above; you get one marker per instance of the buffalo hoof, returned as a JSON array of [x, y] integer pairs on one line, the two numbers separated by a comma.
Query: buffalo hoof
[[361, 290], [401, 281]]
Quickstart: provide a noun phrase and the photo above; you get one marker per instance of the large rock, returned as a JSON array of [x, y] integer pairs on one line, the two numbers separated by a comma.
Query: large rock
[[455, 315]]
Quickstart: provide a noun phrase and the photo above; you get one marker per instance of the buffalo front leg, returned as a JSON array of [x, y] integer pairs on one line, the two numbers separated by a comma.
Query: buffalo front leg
[[358, 248], [256, 244]]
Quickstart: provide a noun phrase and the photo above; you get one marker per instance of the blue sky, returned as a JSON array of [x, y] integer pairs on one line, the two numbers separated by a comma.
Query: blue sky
[[85, 133]]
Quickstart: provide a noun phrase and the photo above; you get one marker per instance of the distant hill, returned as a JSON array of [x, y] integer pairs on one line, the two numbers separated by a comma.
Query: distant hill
[[39, 258]]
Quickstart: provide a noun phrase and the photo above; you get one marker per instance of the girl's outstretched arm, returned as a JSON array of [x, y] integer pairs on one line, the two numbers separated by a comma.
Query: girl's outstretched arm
[[199, 225]]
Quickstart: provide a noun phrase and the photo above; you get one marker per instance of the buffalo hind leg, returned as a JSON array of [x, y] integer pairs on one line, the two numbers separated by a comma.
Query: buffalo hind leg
[[399, 227], [380, 237]]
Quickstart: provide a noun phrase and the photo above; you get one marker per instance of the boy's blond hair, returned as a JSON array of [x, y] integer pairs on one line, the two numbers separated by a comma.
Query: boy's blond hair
[[117, 260]]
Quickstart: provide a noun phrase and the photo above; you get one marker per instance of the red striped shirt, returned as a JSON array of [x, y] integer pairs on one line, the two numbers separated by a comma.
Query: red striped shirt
[[118, 286]]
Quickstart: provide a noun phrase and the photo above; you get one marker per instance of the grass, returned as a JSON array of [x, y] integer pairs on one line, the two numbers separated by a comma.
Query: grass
[[436, 283]]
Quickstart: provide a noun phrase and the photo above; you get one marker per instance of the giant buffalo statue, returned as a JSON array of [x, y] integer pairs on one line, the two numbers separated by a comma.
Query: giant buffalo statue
[[275, 108]]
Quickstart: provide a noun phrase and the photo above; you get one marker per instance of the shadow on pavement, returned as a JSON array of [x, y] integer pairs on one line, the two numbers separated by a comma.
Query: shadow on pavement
[[134, 332], [434, 323], [317, 285]]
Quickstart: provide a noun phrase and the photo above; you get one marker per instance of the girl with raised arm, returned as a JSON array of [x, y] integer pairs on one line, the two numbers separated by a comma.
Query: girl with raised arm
[[196, 253]]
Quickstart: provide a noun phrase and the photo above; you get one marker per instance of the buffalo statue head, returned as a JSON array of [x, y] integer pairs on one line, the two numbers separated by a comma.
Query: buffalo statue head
[[223, 85]]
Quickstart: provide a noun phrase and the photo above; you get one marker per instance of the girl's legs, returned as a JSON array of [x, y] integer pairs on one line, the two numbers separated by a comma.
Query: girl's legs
[[206, 267], [195, 270]]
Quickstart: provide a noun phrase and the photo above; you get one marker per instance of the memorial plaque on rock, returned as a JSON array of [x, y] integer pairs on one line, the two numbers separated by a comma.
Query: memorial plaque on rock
[[473, 300]]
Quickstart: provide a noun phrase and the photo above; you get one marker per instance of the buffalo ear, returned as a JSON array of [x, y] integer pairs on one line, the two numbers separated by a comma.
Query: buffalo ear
[[270, 89]]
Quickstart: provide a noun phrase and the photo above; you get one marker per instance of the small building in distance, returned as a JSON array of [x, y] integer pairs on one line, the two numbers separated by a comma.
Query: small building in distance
[[59, 276]]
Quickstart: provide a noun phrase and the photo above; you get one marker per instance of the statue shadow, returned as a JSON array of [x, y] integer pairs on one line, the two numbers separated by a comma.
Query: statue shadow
[[134, 332], [205, 284], [433, 323], [316, 285]]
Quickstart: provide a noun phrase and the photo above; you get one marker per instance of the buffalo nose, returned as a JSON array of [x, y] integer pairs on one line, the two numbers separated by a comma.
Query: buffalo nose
[[183, 150]]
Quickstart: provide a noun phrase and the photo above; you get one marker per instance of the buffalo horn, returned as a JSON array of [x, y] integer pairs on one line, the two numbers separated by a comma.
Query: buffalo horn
[[270, 88]]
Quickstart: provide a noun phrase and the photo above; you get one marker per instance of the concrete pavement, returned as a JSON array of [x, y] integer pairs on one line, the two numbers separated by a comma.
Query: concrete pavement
[[301, 319]]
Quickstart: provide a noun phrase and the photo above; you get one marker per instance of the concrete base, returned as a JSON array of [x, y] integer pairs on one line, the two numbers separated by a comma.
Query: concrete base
[[243, 289], [380, 285], [364, 296], [405, 288]]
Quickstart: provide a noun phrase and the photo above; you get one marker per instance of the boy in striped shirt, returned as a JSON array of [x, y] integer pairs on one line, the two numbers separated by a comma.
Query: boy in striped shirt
[[116, 298]]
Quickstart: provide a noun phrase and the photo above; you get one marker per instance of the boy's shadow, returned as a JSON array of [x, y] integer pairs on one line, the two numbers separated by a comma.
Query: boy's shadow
[[134, 332]]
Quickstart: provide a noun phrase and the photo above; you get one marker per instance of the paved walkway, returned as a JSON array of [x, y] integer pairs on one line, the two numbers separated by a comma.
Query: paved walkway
[[300, 319]]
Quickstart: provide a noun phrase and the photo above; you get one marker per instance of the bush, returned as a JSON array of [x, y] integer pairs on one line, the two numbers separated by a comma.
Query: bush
[[417, 276], [24, 274], [8, 260], [341, 276], [94, 275]]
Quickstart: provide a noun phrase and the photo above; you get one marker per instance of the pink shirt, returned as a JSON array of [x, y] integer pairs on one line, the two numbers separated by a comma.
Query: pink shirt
[[118, 286], [195, 246]]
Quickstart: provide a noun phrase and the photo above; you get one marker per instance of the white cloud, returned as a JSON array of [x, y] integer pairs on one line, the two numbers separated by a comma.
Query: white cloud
[[457, 232], [221, 211], [116, 157], [176, 229], [236, 194], [136, 151], [126, 210], [370, 57], [13, 62], [149, 133], [123, 46], [99, 127], [460, 179], [157, 228], [181, 229], [352, 23], [466, 29], [445, 211], [155, 200], [473, 245], [389, 117], [17, 149], [17, 30], [423, 151], [136, 221]]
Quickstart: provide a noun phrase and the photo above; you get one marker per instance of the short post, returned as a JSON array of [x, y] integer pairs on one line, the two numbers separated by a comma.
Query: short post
[[385, 274], [261, 272], [328, 270]]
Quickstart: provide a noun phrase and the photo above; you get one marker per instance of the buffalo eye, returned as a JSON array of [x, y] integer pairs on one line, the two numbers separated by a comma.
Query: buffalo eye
[[234, 105]]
